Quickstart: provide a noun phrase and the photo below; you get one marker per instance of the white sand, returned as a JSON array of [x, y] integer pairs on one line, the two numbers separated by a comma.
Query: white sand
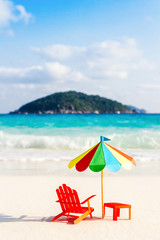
[[28, 204]]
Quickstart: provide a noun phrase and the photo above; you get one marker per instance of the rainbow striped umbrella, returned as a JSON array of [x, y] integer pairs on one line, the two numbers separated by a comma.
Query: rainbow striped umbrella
[[100, 156]]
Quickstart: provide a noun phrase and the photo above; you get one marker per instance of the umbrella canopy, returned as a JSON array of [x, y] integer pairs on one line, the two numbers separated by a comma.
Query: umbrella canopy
[[99, 156]]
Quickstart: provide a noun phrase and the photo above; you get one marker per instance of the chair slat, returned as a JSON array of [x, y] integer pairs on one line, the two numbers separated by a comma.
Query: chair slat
[[73, 203], [78, 204], [60, 199], [68, 199]]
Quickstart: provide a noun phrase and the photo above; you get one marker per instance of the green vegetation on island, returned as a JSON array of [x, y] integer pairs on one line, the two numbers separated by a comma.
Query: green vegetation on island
[[73, 102]]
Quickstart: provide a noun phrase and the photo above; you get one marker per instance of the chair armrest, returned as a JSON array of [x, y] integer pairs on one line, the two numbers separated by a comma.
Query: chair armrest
[[88, 199]]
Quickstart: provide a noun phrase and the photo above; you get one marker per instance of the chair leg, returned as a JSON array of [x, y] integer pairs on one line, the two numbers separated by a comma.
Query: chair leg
[[89, 208], [56, 217], [84, 215], [90, 215]]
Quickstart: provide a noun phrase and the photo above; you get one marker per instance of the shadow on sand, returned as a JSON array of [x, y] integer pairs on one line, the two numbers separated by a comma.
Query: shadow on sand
[[24, 218]]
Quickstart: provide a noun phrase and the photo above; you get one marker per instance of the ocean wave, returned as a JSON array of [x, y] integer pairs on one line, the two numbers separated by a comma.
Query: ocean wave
[[145, 139], [63, 158]]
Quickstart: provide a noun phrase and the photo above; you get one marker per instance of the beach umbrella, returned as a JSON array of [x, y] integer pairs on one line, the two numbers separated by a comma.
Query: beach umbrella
[[100, 156]]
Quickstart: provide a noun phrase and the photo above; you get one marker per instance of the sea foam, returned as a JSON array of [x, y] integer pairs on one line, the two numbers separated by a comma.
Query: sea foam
[[144, 139]]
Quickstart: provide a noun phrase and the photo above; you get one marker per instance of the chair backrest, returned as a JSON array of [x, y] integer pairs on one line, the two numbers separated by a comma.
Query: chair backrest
[[68, 199]]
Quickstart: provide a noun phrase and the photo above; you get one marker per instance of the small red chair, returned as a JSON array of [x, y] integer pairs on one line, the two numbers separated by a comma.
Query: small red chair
[[70, 204], [116, 209]]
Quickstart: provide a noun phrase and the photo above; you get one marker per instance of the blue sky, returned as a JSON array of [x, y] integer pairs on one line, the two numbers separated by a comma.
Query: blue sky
[[110, 48]]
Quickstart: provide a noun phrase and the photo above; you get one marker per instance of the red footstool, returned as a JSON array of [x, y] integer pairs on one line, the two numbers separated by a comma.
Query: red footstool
[[116, 209]]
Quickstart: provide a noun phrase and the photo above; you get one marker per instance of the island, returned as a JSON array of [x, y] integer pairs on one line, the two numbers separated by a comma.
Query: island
[[73, 102]]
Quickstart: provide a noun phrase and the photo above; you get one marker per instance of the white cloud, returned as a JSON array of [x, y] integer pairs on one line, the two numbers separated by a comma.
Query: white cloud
[[18, 73], [61, 73], [99, 62], [49, 72], [115, 59], [116, 49], [57, 70], [23, 14], [127, 48], [60, 52], [78, 77], [104, 60], [12, 13]]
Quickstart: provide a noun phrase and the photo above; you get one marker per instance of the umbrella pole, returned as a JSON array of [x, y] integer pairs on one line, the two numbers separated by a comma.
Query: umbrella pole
[[102, 194]]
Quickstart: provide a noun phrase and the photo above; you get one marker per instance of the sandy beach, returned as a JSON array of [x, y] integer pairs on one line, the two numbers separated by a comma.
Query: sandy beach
[[28, 205], [79, 94]]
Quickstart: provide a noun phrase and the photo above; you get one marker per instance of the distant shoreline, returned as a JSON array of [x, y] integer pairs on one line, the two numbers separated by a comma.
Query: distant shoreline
[[79, 114], [10, 113]]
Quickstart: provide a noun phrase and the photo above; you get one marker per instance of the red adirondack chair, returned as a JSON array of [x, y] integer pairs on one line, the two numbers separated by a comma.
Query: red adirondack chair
[[70, 204]]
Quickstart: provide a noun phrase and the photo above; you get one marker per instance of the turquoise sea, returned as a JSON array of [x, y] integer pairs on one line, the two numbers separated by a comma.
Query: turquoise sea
[[60, 138]]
